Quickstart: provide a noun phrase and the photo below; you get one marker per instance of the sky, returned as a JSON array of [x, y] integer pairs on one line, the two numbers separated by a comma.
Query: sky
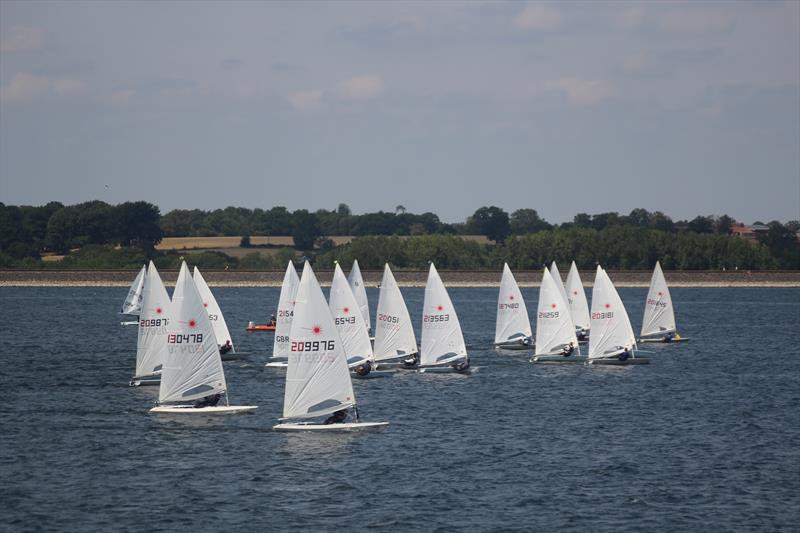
[[689, 108]]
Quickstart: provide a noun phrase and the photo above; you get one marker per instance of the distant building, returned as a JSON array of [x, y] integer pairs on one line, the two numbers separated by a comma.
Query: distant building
[[745, 232]]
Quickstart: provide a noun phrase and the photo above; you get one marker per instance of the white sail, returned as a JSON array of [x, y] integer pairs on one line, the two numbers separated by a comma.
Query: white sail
[[192, 364], [349, 320], [394, 333], [442, 340], [221, 332], [283, 321], [658, 314], [512, 322], [153, 322], [559, 283], [133, 302], [317, 379], [611, 329], [554, 329], [357, 285], [578, 306]]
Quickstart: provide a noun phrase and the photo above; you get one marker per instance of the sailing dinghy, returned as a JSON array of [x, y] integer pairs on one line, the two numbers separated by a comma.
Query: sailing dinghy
[[394, 333], [360, 292], [555, 336], [133, 301], [443, 348], [153, 322], [513, 327], [578, 306], [658, 324], [192, 380], [317, 381], [283, 322], [612, 341], [350, 324], [220, 327]]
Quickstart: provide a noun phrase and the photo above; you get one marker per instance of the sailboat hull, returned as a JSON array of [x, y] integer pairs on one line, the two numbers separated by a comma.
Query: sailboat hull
[[443, 370], [129, 323], [278, 364], [218, 410], [373, 374], [662, 341], [571, 359], [349, 426], [145, 381], [616, 362], [234, 356], [517, 346]]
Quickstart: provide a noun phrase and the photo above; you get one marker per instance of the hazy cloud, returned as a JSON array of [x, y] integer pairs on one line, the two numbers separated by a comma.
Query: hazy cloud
[[360, 87], [24, 86], [583, 92], [695, 21], [22, 39], [306, 100], [538, 16], [122, 96], [631, 17]]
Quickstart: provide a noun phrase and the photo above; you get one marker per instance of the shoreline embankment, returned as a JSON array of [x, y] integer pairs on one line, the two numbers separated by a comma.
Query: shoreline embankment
[[405, 278]]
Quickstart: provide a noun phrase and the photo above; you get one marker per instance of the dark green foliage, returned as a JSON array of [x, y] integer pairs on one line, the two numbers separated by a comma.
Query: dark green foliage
[[492, 222], [306, 229], [103, 257]]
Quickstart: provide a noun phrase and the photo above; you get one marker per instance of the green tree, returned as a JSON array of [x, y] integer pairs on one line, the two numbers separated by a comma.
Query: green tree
[[305, 229], [492, 222], [527, 221]]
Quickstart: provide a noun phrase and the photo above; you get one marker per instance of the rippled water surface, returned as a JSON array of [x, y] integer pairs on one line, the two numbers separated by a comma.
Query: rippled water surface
[[705, 437]]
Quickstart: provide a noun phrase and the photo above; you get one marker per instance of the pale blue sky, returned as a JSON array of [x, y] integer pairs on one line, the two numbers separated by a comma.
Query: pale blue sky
[[685, 107]]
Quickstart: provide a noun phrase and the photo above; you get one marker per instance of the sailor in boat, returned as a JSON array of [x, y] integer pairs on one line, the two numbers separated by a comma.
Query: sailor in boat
[[411, 361], [209, 401], [669, 337], [462, 365], [364, 368], [568, 349], [225, 348], [272, 321], [339, 417], [625, 355]]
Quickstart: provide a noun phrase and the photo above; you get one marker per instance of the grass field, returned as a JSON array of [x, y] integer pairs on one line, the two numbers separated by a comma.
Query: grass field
[[228, 243]]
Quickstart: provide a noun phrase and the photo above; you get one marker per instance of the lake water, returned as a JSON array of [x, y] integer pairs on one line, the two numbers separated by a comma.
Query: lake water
[[705, 437]]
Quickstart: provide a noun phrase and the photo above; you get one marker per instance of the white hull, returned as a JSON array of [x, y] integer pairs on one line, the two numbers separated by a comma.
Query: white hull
[[129, 323], [234, 356], [662, 341], [443, 370], [145, 381], [559, 359], [348, 426], [517, 346], [278, 364], [218, 410], [613, 361], [373, 374]]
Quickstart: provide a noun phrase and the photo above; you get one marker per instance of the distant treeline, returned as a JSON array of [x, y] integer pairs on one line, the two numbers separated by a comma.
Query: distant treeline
[[108, 236]]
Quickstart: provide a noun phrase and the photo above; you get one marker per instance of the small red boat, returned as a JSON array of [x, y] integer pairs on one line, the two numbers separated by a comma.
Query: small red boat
[[252, 326]]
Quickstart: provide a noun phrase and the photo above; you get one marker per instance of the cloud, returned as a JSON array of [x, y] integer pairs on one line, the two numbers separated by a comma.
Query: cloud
[[634, 62], [629, 18], [695, 21], [583, 92], [22, 39], [538, 16], [122, 96], [360, 87], [306, 100], [24, 86]]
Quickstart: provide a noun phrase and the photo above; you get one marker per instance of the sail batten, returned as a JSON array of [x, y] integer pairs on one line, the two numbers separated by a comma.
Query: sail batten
[[192, 364], [442, 339], [659, 316], [317, 378], [153, 321], [283, 320], [394, 333]]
